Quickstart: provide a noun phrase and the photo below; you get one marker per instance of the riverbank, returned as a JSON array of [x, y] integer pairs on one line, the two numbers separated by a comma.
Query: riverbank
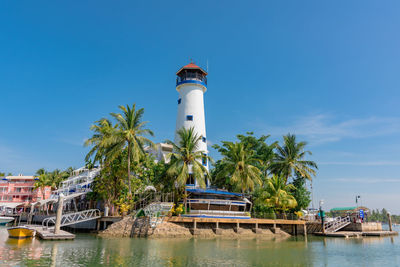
[[130, 227]]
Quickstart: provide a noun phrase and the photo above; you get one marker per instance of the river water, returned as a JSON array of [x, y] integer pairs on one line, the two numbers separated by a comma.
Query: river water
[[90, 250]]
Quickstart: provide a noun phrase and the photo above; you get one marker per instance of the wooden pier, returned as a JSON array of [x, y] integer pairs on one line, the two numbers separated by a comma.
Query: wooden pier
[[347, 234], [48, 234]]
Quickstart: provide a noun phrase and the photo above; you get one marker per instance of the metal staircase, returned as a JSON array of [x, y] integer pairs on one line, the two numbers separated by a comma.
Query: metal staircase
[[72, 218], [156, 212], [337, 224]]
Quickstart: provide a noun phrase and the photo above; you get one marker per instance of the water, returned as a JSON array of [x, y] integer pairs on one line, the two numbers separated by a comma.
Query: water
[[89, 250]]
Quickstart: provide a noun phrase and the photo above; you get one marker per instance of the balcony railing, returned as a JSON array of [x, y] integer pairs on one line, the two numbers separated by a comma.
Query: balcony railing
[[191, 76]]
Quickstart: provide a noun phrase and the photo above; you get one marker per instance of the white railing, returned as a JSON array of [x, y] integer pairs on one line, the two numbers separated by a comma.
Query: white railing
[[337, 224], [156, 211], [73, 218]]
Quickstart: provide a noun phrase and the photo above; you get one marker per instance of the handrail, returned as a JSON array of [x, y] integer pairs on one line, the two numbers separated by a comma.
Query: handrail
[[73, 218], [337, 224]]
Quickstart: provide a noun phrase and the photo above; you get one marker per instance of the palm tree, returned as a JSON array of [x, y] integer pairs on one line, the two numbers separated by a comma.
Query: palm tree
[[239, 163], [103, 131], [277, 194], [130, 136], [186, 159], [43, 181], [56, 177], [290, 159]]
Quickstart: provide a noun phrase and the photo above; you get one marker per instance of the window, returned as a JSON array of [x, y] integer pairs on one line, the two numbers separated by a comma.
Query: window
[[204, 160], [179, 100], [204, 139], [189, 117], [190, 180]]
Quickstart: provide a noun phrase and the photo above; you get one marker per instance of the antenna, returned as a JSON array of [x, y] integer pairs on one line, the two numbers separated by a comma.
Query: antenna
[[207, 65]]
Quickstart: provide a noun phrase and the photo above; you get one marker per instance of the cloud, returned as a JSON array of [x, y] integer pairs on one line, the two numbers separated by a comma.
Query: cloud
[[322, 128]]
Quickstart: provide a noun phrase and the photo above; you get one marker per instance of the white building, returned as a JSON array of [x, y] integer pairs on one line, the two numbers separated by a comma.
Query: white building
[[191, 84]]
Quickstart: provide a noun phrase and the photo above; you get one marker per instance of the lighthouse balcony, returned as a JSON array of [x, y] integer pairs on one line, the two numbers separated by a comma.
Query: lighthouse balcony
[[191, 77]]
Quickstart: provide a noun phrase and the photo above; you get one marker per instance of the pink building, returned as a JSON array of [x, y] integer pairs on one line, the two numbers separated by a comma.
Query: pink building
[[20, 189]]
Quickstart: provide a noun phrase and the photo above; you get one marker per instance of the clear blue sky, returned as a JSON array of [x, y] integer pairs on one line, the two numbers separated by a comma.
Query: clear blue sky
[[327, 71]]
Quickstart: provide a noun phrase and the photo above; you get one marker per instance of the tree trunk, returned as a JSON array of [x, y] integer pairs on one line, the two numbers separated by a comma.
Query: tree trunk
[[129, 169]]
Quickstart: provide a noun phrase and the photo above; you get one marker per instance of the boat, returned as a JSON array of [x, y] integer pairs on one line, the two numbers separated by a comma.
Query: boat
[[20, 232], [4, 220]]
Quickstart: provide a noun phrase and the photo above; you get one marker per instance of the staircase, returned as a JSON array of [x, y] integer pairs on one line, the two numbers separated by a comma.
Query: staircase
[[337, 224], [72, 218], [156, 212]]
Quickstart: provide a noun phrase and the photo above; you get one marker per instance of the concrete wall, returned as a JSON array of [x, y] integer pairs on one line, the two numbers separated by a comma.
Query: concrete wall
[[364, 227]]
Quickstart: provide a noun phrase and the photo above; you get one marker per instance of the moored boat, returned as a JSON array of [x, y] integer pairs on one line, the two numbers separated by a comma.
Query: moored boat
[[4, 220], [20, 232]]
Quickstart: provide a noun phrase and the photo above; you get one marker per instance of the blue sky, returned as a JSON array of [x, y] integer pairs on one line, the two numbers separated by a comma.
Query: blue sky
[[326, 71]]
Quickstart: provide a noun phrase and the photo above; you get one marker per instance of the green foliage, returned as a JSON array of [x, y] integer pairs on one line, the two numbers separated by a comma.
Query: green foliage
[[289, 159], [300, 193], [238, 165], [185, 156], [276, 194], [381, 216], [127, 136]]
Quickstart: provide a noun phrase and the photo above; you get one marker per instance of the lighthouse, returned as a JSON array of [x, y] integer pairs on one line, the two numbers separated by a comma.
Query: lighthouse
[[191, 84]]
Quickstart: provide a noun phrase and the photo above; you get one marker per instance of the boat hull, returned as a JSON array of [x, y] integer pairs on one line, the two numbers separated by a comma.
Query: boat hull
[[20, 232], [5, 220]]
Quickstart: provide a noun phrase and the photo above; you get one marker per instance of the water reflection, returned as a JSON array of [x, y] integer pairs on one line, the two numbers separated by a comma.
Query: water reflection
[[89, 250]]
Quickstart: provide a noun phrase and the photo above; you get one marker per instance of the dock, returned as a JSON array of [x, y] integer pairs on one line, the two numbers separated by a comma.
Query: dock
[[347, 234], [294, 227], [48, 234]]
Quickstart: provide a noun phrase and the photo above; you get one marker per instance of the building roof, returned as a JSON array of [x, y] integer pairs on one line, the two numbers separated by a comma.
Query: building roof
[[343, 208], [211, 191], [191, 66], [20, 177]]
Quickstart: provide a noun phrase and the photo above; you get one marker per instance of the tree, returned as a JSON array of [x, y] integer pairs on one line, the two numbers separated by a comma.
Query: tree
[[56, 177], [130, 135], [186, 159], [300, 192], [100, 141], [290, 158], [42, 181], [239, 165], [263, 151], [277, 194]]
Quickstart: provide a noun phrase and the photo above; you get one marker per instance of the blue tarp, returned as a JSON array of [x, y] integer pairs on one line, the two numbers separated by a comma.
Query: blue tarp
[[210, 191]]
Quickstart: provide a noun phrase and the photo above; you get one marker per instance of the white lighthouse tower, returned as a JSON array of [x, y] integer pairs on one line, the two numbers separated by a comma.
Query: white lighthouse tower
[[191, 84]]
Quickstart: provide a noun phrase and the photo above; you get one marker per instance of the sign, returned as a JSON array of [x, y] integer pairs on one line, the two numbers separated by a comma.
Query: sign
[[362, 214]]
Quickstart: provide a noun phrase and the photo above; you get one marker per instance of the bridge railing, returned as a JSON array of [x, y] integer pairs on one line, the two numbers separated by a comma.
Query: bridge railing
[[73, 218]]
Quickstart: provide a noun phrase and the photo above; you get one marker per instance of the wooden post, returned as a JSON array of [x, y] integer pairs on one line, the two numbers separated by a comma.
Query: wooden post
[[389, 221], [305, 230], [194, 224], [59, 214]]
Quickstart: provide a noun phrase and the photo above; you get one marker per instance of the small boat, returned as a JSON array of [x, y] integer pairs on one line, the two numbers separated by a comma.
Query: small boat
[[4, 220], [20, 232]]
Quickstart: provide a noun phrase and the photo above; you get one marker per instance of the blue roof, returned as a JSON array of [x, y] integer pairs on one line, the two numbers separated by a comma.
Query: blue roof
[[211, 191]]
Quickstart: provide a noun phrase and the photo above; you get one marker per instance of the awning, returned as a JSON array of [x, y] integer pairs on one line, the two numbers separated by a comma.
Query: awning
[[210, 191], [11, 205], [44, 201]]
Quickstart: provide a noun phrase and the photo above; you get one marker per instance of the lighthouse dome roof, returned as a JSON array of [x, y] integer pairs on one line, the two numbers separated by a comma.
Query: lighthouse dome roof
[[191, 66]]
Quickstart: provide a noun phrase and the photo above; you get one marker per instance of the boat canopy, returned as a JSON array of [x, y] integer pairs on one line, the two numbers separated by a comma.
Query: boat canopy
[[11, 205]]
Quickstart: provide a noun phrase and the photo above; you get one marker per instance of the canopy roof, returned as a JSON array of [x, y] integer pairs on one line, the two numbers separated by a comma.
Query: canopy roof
[[11, 205], [211, 191], [191, 66], [349, 208]]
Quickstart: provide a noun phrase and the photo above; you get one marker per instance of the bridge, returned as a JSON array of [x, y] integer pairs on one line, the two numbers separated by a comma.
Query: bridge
[[72, 218]]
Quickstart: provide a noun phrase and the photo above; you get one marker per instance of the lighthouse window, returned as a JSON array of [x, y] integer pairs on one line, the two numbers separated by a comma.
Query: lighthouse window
[[204, 159], [179, 100], [189, 117], [204, 139]]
